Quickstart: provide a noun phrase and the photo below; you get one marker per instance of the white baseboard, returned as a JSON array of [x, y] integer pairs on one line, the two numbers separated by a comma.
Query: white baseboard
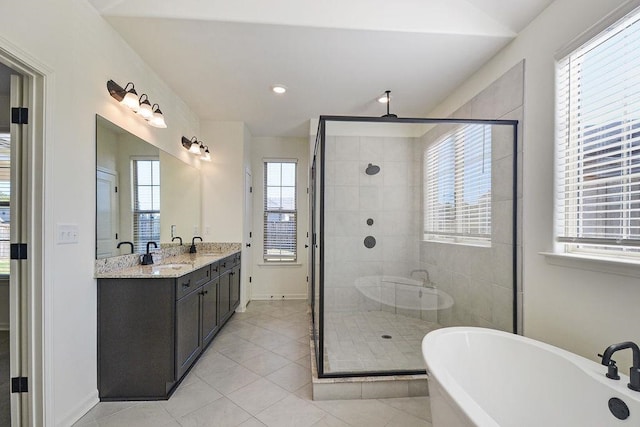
[[268, 297], [80, 410]]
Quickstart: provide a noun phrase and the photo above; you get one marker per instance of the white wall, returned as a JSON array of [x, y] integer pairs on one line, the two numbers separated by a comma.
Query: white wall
[[222, 181], [583, 311], [278, 281], [78, 52]]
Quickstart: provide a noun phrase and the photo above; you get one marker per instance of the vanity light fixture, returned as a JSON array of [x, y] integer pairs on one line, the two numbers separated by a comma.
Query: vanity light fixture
[[206, 156], [141, 105]]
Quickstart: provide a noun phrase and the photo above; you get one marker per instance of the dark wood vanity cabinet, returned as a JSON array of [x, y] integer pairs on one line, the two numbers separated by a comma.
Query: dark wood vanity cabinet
[[152, 330], [229, 286]]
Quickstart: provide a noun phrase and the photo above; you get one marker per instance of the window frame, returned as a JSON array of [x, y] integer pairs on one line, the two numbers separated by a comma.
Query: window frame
[[457, 138], [140, 245], [568, 242], [279, 258]]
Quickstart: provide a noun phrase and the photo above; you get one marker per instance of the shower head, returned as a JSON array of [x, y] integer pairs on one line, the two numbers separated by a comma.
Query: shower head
[[372, 169]]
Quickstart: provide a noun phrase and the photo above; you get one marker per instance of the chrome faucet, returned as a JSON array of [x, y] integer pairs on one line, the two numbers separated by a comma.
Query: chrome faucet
[[634, 371], [147, 259], [192, 249]]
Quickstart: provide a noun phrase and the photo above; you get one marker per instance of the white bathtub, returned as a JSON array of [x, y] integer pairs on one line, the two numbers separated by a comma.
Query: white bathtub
[[403, 293], [486, 378]]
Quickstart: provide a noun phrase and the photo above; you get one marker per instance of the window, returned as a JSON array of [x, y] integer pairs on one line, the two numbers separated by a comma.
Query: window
[[146, 202], [280, 226], [457, 186], [598, 143]]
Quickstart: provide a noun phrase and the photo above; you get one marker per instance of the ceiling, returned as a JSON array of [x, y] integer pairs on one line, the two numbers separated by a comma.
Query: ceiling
[[336, 57]]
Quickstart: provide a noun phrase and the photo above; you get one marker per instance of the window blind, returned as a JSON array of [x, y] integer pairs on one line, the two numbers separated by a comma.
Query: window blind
[[457, 185], [146, 202], [598, 141], [280, 211]]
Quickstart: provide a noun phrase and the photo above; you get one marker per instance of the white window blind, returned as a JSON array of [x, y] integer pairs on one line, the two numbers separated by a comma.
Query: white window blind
[[457, 186], [598, 142], [146, 202], [280, 214]]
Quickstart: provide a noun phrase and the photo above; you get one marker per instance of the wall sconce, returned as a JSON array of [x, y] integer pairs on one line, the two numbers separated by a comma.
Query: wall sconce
[[142, 106]]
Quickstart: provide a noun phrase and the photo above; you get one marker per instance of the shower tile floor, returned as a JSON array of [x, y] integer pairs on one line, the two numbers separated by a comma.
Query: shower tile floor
[[360, 341]]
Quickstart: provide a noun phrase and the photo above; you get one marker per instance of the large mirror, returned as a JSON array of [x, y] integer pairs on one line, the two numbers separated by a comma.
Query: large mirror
[[142, 193]]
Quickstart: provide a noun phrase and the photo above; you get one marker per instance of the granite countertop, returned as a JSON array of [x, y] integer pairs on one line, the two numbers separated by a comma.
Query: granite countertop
[[168, 266]]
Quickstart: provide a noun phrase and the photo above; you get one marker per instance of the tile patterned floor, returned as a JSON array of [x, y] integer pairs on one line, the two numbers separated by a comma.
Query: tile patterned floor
[[355, 342], [257, 373]]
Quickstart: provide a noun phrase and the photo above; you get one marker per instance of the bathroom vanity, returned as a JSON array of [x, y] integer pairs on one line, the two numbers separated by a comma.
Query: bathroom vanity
[[154, 321]]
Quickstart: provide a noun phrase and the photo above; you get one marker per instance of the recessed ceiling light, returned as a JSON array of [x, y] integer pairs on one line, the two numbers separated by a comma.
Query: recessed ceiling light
[[279, 89]]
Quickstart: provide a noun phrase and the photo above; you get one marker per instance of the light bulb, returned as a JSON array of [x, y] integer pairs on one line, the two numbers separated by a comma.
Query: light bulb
[[195, 148], [157, 120], [145, 107]]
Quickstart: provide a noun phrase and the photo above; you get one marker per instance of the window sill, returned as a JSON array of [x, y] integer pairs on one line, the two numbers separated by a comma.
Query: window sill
[[279, 264], [462, 243], [622, 267]]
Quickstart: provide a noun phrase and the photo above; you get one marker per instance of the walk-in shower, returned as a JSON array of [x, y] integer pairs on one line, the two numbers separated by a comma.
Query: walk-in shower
[[413, 229]]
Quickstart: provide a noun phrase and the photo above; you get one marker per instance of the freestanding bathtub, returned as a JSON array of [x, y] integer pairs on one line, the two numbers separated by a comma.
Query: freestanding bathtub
[[403, 293], [487, 378]]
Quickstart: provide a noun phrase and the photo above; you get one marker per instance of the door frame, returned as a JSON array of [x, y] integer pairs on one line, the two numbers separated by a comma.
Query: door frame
[[247, 263], [33, 316]]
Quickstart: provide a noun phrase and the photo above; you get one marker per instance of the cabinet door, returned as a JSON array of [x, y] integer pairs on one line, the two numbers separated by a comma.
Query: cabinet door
[[209, 311], [188, 343], [234, 287], [223, 296]]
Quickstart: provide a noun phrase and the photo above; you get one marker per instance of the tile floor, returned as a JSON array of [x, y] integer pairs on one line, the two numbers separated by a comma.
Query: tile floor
[[354, 341], [257, 373]]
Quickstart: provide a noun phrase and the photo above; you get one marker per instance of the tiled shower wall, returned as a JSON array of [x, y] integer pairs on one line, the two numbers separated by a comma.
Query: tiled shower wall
[[480, 278], [390, 198]]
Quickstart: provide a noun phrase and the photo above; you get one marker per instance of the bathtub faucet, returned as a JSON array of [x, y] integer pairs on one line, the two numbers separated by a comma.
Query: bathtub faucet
[[634, 372], [426, 281]]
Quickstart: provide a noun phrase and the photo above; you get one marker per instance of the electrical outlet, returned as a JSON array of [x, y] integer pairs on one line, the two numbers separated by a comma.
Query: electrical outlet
[[173, 231], [207, 230], [67, 234], [195, 230]]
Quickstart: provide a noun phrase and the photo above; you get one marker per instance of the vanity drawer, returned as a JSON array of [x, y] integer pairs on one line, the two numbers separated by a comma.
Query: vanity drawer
[[185, 285], [202, 275], [226, 264], [215, 269]]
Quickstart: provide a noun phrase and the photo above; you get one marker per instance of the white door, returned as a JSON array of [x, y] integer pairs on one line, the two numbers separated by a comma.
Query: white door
[[247, 252], [106, 213]]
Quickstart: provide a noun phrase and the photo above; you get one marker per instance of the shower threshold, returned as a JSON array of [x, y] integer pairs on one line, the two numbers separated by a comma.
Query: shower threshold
[[365, 387]]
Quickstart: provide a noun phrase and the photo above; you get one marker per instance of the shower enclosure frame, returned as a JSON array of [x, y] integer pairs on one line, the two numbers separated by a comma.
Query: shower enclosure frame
[[317, 235]]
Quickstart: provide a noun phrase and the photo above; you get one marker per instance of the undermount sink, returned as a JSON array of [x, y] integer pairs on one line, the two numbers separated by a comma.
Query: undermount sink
[[174, 266]]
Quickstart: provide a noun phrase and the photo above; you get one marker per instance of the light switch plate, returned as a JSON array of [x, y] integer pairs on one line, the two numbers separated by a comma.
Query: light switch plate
[[67, 234]]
